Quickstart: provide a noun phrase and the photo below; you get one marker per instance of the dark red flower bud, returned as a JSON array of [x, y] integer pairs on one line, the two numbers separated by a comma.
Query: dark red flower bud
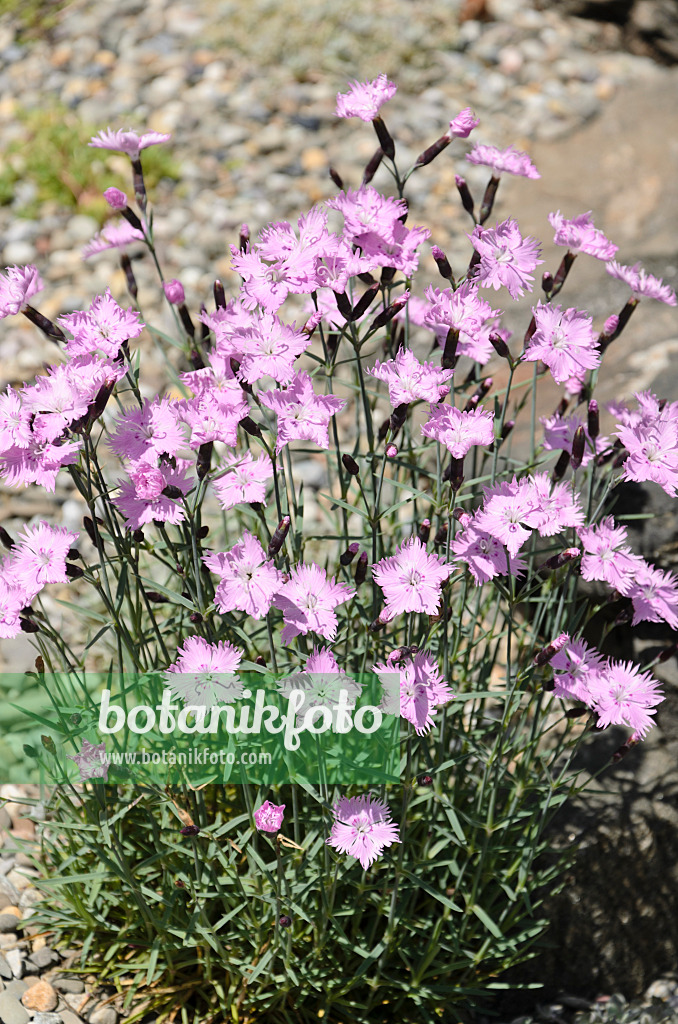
[[547, 281], [384, 136], [372, 166], [336, 177], [284, 921], [578, 446], [561, 467], [465, 195], [350, 465], [171, 492], [349, 554], [398, 417], [189, 327], [250, 427], [543, 656], [138, 536], [278, 538], [49, 329], [204, 459], [442, 263], [189, 830], [593, 425], [202, 532], [441, 536], [219, 295], [556, 562], [383, 429], [6, 539], [74, 572], [344, 305], [131, 280], [260, 660], [155, 598], [361, 569], [244, 237], [425, 780], [196, 618], [488, 199], [29, 626], [450, 351], [424, 531], [500, 346], [386, 315], [365, 301], [434, 150]]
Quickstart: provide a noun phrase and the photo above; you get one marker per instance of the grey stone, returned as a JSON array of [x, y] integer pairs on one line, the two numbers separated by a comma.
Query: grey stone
[[9, 890], [68, 1017], [8, 923], [69, 985], [5, 969], [15, 959], [44, 958], [5, 820], [16, 988], [11, 1010], [104, 1015], [47, 1018]]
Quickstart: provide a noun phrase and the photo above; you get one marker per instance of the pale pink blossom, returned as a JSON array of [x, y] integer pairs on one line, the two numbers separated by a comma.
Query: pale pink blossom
[[127, 141], [307, 601], [510, 160], [411, 579], [269, 817], [244, 480], [459, 431], [302, 414], [364, 99], [564, 341], [579, 235], [506, 258], [103, 327], [409, 380], [642, 284], [362, 828], [247, 580], [17, 286]]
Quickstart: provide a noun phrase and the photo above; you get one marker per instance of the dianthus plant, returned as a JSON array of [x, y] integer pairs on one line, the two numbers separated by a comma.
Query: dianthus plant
[[345, 476]]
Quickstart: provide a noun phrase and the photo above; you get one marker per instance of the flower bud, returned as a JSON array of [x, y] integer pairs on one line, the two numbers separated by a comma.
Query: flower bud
[[576, 712], [29, 626], [126, 264], [499, 346], [442, 263], [488, 199], [189, 830], [138, 536], [441, 536], [155, 598], [387, 314], [547, 282], [349, 554], [250, 427], [365, 301], [48, 743], [174, 292], [593, 425], [624, 749], [74, 572], [432, 151], [561, 467], [204, 459], [202, 532], [344, 305], [456, 473], [244, 237], [383, 429], [450, 351], [336, 178], [260, 660], [546, 653], [391, 450], [398, 417], [116, 199], [558, 561], [464, 194], [219, 295], [384, 136], [278, 538], [424, 531], [578, 446], [462, 516], [361, 569], [284, 921], [507, 428], [49, 329], [172, 492], [425, 780], [6, 539], [372, 166], [39, 664], [350, 465]]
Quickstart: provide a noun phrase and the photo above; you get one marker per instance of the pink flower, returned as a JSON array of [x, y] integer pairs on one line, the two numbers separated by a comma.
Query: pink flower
[[12, 600], [65, 392], [650, 437], [607, 555], [364, 99], [484, 554], [116, 199], [464, 311], [564, 341], [372, 222], [463, 124], [409, 380], [174, 291], [148, 432], [308, 600], [559, 434], [270, 348], [641, 283], [362, 828], [654, 595], [141, 499], [244, 480], [510, 511], [127, 142], [204, 673], [247, 580], [510, 160], [302, 414], [17, 286], [112, 236], [623, 695], [38, 463], [506, 258], [15, 421], [40, 556], [556, 507], [579, 235], [411, 579], [574, 668], [210, 419], [459, 431], [269, 817], [420, 690], [104, 327]]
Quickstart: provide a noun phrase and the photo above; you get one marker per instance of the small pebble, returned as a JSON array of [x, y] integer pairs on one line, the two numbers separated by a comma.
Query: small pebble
[[47, 1018], [45, 957], [5, 969], [40, 997], [104, 1015], [15, 959], [69, 985], [8, 923], [11, 1010]]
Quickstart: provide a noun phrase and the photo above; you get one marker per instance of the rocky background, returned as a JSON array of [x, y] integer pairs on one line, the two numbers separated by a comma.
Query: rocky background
[[588, 87]]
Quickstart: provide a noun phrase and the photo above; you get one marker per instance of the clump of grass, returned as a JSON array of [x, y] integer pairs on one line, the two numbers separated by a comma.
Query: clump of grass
[[52, 155]]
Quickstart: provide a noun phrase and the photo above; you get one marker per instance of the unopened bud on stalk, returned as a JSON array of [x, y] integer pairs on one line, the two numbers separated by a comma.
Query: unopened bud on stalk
[[558, 561], [384, 136], [561, 408], [196, 618], [116, 198], [398, 417], [425, 780], [172, 492], [49, 329], [465, 195], [155, 598], [244, 237], [74, 572], [530, 331], [39, 664], [188, 325], [204, 460], [6, 539], [361, 569], [336, 177], [219, 295], [388, 273], [625, 615], [202, 532], [260, 660], [488, 199], [138, 536], [450, 351], [563, 270], [441, 536], [349, 554], [29, 626], [278, 538], [593, 425], [456, 473], [204, 328], [578, 446], [89, 528], [507, 428], [350, 465], [285, 921], [174, 292], [547, 282], [624, 749], [500, 346], [433, 151], [48, 743], [424, 531], [344, 305], [380, 621], [387, 314], [576, 712], [250, 427], [442, 263], [365, 301], [372, 166], [196, 359], [462, 516], [561, 467], [131, 280], [383, 429], [668, 652], [391, 450], [138, 182], [546, 653], [189, 830]]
